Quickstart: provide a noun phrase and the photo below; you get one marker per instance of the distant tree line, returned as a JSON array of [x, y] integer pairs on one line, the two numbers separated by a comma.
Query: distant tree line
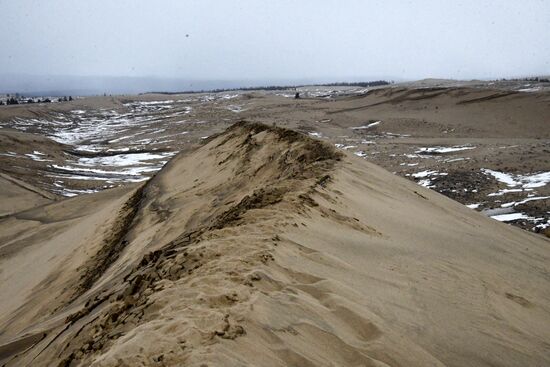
[[282, 87], [375, 83], [528, 79], [17, 99]]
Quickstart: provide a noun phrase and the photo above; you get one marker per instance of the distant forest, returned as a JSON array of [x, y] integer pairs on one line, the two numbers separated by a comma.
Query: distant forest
[[282, 87], [529, 79], [18, 99]]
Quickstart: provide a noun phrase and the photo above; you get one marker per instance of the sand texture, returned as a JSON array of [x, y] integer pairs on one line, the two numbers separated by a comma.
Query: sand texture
[[265, 247]]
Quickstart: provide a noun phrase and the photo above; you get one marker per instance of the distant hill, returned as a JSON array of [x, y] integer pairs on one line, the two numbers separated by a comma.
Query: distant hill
[[61, 85]]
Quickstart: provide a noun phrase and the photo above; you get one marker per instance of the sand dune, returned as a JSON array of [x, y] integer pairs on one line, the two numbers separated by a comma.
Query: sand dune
[[264, 247], [445, 135], [18, 195]]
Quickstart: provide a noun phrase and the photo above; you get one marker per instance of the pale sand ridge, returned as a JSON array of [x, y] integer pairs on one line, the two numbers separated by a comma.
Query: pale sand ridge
[[266, 247]]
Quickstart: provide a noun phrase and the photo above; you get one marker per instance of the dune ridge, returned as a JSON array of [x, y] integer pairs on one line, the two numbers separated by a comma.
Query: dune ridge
[[267, 247]]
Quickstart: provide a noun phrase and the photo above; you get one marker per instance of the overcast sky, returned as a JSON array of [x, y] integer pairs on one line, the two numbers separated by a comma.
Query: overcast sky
[[276, 39]]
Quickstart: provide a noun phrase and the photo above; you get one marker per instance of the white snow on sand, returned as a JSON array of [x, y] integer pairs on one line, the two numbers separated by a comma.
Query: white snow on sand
[[502, 177], [423, 174], [425, 183], [442, 150], [37, 157], [455, 160], [368, 126], [150, 103], [543, 225], [123, 160], [100, 133], [71, 193], [235, 108], [229, 96], [129, 171], [505, 191], [345, 147], [427, 174], [509, 217], [514, 203], [524, 181], [530, 90]]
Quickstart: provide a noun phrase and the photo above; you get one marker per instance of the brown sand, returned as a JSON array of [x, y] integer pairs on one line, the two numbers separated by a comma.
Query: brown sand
[[18, 195], [265, 247], [506, 129]]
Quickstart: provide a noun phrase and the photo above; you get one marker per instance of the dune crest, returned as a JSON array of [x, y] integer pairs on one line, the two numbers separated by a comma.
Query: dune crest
[[267, 247]]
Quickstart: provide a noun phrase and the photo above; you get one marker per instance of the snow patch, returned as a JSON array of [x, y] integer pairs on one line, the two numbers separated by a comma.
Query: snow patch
[[509, 217], [442, 150], [524, 181], [368, 126]]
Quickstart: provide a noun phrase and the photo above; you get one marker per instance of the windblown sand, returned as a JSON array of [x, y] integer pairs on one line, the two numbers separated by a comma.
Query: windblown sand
[[483, 144], [265, 247]]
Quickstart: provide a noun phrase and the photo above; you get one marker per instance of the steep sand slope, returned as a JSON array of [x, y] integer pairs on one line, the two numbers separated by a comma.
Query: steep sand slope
[[17, 195], [265, 247], [42, 248]]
